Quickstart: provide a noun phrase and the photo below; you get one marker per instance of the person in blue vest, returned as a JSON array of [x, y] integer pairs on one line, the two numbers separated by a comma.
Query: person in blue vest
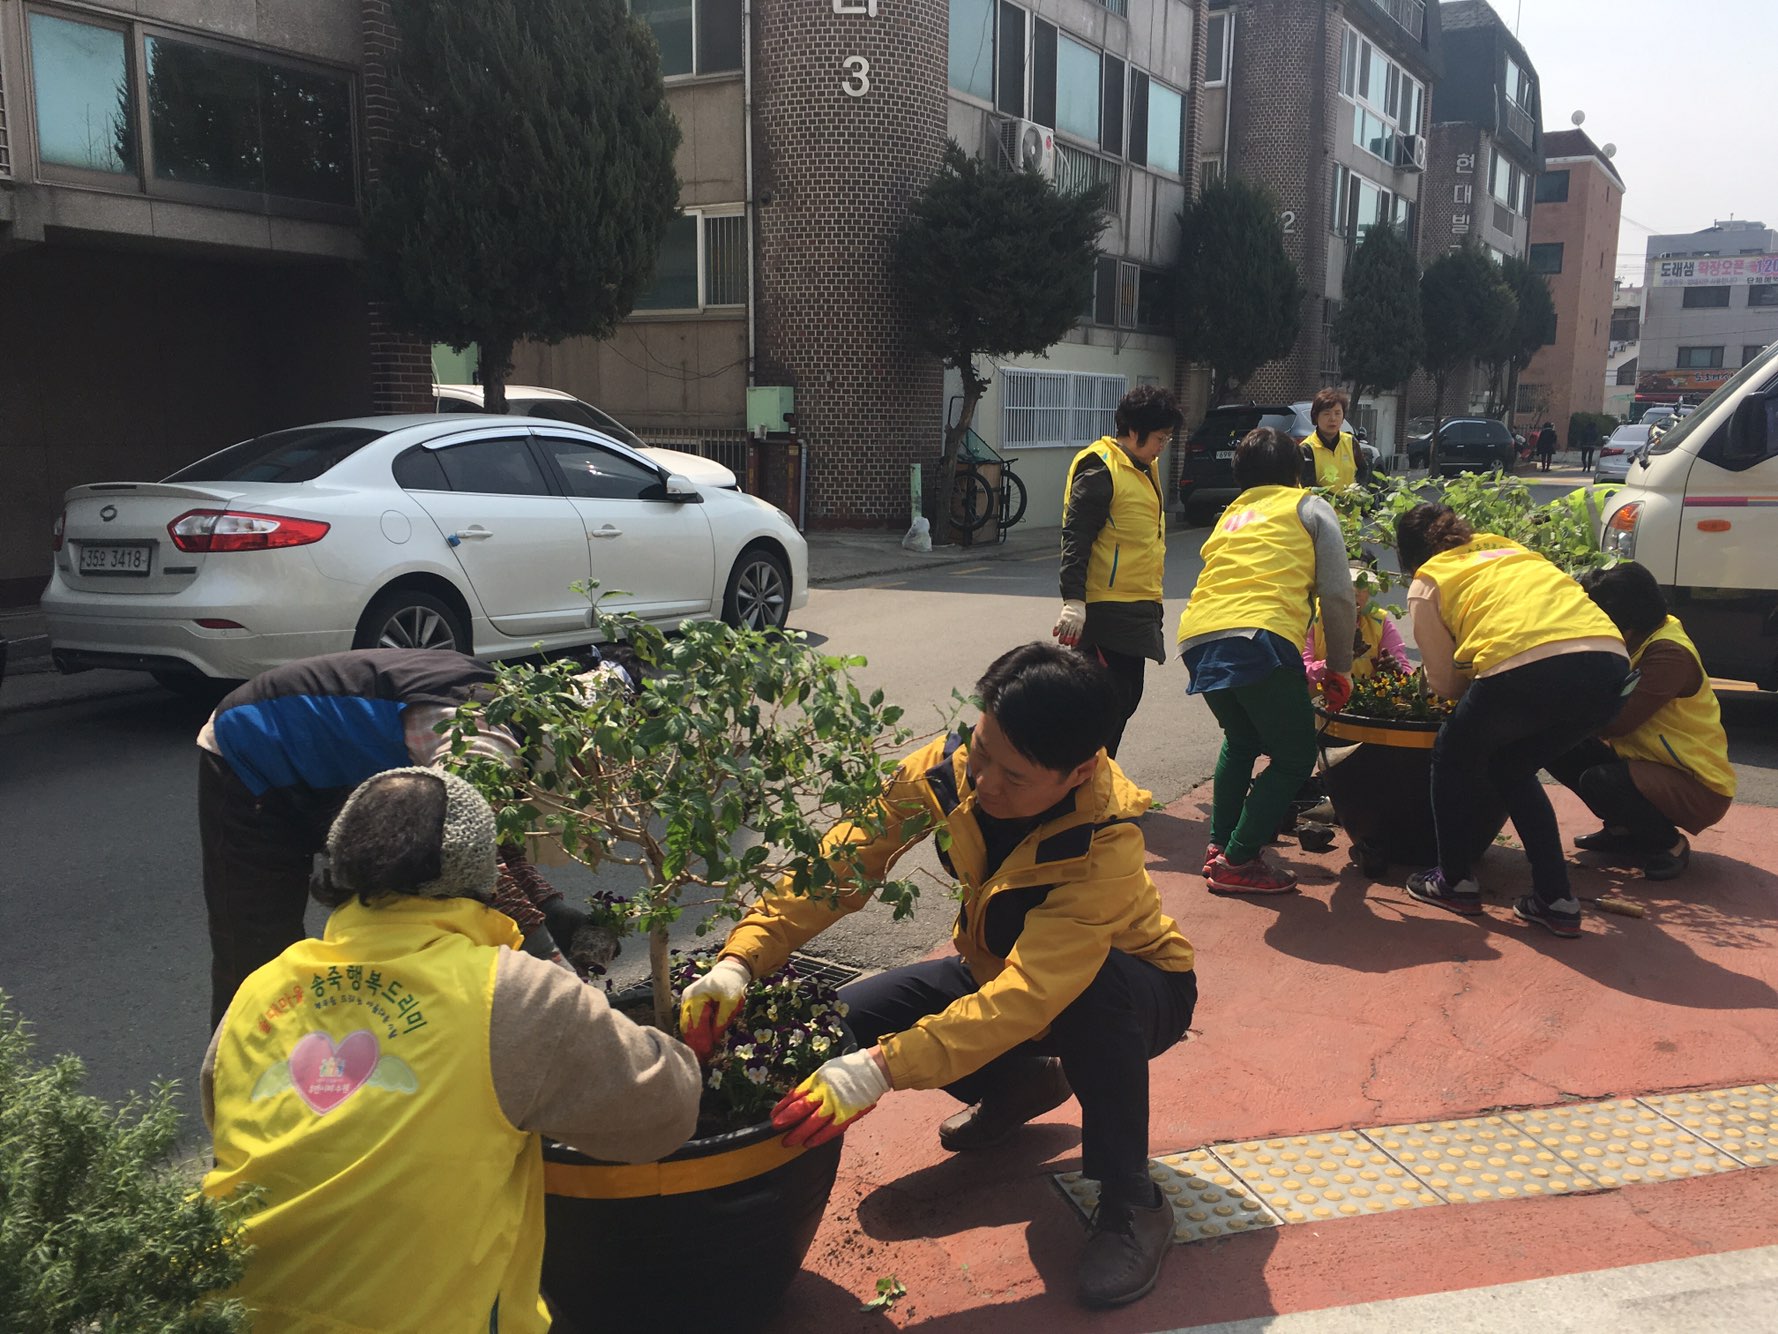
[[1114, 548], [278, 758]]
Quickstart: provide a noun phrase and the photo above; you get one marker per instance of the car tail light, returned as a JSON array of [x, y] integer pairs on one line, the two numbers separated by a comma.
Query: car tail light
[[59, 530], [233, 530], [1620, 531], [1610, 449]]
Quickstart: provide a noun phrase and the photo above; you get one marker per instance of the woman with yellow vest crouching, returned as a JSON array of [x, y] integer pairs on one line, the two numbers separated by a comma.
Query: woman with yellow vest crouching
[[386, 1086], [1535, 667], [1663, 763], [1275, 550]]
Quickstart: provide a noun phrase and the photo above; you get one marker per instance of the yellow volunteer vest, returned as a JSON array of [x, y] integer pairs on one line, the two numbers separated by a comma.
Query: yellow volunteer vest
[[1131, 549], [1370, 635], [353, 1085], [1337, 466], [1684, 733], [1259, 569], [1501, 599]]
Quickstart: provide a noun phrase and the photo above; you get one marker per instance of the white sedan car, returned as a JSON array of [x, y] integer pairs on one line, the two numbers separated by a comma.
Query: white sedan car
[[1619, 451], [460, 531]]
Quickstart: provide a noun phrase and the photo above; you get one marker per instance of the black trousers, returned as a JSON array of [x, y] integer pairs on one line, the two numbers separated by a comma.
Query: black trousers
[[1594, 773], [1127, 671], [258, 852], [1130, 1013]]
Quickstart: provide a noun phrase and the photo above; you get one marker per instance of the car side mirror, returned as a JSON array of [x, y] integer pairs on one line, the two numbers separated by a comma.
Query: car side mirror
[[1749, 428], [680, 491]]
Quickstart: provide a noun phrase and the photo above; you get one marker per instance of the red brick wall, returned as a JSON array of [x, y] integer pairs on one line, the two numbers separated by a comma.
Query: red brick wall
[[841, 172]]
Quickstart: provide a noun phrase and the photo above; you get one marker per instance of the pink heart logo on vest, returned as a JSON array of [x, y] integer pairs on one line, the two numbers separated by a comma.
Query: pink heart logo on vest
[[324, 1075]]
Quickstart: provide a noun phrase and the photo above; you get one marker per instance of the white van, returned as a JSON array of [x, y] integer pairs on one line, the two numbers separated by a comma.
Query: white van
[[1699, 509]]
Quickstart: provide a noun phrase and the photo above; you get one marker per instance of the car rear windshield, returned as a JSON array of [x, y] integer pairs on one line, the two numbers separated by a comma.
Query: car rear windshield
[[1223, 428], [299, 455]]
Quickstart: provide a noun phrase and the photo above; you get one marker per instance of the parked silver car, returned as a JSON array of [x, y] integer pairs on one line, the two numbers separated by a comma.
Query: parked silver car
[[1619, 451]]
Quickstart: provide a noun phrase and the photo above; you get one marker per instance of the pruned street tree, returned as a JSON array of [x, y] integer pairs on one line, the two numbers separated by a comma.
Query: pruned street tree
[[1378, 327], [1465, 309], [527, 179], [991, 263], [1239, 301], [1533, 326]]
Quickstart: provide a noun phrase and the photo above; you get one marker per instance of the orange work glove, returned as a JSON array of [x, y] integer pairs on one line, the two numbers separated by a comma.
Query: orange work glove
[[829, 1100], [1337, 691], [708, 1005]]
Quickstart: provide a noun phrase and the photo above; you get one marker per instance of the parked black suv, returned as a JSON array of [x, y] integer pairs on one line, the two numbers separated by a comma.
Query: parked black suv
[[1474, 444], [1207, 475]]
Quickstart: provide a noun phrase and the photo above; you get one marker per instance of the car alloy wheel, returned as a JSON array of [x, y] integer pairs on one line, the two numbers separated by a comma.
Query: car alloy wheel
[[416, 627], [759, 593], [408, 618]]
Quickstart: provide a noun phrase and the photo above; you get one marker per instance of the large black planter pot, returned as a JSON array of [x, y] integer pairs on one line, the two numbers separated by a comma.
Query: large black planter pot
[[1378, 774]]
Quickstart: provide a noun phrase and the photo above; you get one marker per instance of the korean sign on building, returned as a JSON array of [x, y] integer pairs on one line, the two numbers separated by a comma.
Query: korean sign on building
[[1725, 271]]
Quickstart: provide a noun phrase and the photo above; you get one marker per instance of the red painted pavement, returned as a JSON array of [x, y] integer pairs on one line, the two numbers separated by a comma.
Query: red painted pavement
[[1352, 1005]]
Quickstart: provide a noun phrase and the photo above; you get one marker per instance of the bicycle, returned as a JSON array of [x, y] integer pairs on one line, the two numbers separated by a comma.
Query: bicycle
[[972, 498]]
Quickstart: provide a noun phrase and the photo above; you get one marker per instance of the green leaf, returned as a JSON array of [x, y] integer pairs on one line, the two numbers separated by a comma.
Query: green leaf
[[889, 1291]]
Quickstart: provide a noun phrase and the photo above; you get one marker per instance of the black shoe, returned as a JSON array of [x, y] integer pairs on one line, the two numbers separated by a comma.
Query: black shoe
[[1666, 865], [1607, 840], [1022, 1099], [1557, 922], [1125, 1249]]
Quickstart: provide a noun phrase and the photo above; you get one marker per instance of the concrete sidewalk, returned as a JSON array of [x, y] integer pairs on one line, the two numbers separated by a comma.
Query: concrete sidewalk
[[1351, 1005]]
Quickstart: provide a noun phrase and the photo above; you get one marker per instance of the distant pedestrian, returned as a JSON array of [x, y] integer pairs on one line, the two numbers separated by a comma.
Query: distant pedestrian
[[1546, 446], [1114, 544], [1587, 444]]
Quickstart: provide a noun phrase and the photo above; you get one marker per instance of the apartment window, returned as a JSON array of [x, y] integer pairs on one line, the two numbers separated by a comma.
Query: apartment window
[[695, 36], [1751, 350], [1165, 125], [1342, 183], [1373, 134], [1105, 292], [1212, 170], [1765, 294], [1009, 86], [1078, 104], [1217, 39], [1508, 183], [1552, 187], [1554, 320], [1044, 54], [1705, 298], [1546, 257], [1519, 87], [1111, 108], [1057, 408], [1154, 301], [81, 77], [702, 263], [972, 49], [1625, 325], [1626, 374], [1700, 358], [1530, 396]]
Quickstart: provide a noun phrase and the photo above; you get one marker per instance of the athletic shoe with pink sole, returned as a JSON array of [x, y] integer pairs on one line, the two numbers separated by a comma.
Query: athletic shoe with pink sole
[[1255, 877], [1211, 852]]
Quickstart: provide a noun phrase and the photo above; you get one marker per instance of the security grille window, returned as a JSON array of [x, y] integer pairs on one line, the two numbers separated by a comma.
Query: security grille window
[[1763, 294], [695, 36], [1700, 358], [1218, 35], [1705, 298], [725, 260], [1077, 90], [1212, 170], [1530, 396], [1546, 257], [702, 263], [971, 65], [1057, 408], [1552, 187], [86, 118], [1128, 277]]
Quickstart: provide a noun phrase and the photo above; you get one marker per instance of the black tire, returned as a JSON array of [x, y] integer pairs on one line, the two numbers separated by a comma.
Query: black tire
[[189, 685], [1015, 496], [758, 593], [408, 618], [971, 502]]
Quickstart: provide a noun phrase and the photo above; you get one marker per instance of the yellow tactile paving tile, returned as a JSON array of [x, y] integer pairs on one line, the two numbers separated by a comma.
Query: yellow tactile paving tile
[[1313, 1178], [1622, 1142], [1207, 1199], [1484, 1158], [1742, 1122]]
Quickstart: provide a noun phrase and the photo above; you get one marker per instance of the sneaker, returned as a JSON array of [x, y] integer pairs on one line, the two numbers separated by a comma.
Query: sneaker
[[1464, 897], [1125, 1248], [1607, 840], [1024, 1098], [1255, 877], [1314, 837], [1666, 864], [1211, 852], [1564, 922]]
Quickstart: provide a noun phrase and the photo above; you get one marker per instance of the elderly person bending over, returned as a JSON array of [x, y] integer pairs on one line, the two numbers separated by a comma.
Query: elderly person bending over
[[388, 1085]]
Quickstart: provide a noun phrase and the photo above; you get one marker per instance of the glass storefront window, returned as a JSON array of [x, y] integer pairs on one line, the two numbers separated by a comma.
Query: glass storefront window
[[1166, 112], [972, 48], [85, 114]]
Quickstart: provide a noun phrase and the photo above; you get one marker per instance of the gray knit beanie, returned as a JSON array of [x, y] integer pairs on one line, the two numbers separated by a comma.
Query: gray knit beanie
[[413, 831]]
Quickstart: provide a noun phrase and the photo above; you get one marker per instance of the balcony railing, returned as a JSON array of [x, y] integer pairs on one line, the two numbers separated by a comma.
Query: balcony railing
[[1119, 7], [1520, 125], [1078, 171], [5, 143], [1411, 14]]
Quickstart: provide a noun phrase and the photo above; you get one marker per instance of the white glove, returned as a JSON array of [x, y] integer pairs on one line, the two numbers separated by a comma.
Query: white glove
[[1071, 622], [708, 1005]]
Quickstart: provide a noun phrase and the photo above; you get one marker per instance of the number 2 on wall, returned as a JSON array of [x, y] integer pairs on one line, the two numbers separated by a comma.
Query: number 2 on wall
[[856, 82], [1287, 220]]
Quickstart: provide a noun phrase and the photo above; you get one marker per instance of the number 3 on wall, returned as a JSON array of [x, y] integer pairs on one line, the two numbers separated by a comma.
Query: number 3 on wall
[[856, 82]]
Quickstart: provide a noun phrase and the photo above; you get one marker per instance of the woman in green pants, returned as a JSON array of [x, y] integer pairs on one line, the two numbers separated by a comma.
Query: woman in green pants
[[1271, 555]]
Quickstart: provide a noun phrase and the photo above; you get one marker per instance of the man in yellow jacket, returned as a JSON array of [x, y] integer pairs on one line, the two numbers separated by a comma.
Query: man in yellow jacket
[[1068, 977], [1114, 547]]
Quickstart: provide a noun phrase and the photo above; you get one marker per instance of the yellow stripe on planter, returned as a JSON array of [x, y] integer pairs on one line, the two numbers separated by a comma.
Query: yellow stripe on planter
[[631, 1181], [1342, 729]]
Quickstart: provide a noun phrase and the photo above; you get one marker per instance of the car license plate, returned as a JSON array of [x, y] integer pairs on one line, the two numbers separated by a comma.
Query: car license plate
[[1225, 453], [114, 558]]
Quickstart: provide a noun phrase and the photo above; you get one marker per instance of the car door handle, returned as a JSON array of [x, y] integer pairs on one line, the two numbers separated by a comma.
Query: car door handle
[[475, 534], [606, 531]]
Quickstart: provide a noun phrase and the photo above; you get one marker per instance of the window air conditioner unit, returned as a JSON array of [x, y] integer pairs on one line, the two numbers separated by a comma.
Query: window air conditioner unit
[[1410, 152], [1032, 147]]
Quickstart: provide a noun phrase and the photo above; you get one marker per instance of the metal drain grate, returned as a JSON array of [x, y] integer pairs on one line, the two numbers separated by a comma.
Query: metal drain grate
[[835, 975]]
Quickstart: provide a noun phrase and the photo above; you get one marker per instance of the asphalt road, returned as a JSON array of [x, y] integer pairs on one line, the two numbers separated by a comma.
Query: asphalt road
[[101, 918]]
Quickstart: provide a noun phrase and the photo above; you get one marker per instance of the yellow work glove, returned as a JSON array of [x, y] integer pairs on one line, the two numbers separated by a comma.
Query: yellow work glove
[[708, 1005], [829, 1100]]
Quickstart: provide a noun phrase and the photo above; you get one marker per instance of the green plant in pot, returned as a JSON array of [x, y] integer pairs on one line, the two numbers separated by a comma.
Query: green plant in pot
[[718, 781]]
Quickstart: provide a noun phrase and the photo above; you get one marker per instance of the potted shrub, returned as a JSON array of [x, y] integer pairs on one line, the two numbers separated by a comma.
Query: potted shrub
[[1380, 780], [718, 781]]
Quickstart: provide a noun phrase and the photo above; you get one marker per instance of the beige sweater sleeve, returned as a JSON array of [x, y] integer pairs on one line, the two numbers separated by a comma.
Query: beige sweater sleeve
[[1438, 650], [567, 1065]]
